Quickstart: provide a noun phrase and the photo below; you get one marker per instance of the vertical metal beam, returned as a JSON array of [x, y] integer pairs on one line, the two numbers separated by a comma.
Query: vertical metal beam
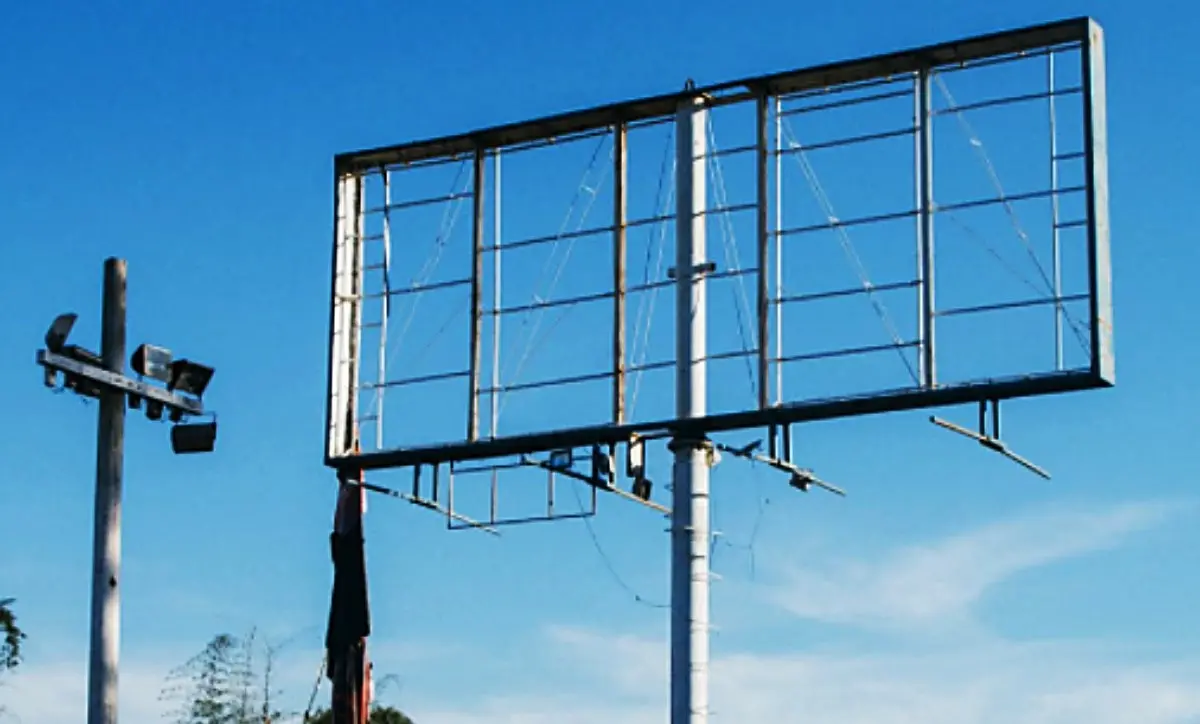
[[1055, 246], [346, 292], [386, 308], [764, 240], [619, 259], [477, 230], [690, 517], [778, 251], [923, 152], [354, 314], [106, 541], [494, 395], [497, 281], [1095, 149]]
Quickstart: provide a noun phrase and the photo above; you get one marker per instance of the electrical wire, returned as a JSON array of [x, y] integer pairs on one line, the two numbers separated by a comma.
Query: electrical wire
[[607, 561]]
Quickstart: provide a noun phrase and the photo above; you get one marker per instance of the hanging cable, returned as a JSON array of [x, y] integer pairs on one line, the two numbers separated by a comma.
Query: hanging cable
[[604, 558], [450, 213], [843, 236], [742, 300], [532, 340], [984, 158], [656, 240]]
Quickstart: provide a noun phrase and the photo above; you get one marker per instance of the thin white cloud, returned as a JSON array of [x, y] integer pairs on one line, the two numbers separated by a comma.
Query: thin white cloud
[[597, 677], [624, 679], [56, 693], [938, 583]]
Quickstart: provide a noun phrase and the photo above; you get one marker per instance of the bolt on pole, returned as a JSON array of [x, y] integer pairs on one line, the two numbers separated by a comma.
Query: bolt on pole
[[106, 543]]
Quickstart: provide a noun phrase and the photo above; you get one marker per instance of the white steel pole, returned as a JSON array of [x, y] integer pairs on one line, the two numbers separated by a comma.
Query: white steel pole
[[690, 520]]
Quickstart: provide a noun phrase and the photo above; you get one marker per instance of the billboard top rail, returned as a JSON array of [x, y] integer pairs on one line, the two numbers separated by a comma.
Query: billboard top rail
[[787, 82]]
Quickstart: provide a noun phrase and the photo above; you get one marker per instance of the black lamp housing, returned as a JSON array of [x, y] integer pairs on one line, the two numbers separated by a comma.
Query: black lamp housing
[[197, 437]]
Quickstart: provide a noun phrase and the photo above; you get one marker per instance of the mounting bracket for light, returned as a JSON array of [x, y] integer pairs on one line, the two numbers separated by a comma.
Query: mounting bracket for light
[[598, 482], [801, 479], [422, 502], [991, 441]]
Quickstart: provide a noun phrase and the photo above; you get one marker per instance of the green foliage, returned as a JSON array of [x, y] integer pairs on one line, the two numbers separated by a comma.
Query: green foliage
[[226, 684], [379, 715], [10, 645], [221, 686]]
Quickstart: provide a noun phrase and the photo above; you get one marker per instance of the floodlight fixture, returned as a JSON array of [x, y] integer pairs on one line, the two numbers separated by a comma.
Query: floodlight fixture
[[561, 459], [60, 329], [175, 415], [642, 488], [81, 386], [188, 376], [199, 437], [154, 410], [635, 457], [152, 361], [82, 354], [602, 465]]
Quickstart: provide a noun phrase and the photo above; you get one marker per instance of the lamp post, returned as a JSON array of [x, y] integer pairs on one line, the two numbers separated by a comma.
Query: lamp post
[[103, 376]]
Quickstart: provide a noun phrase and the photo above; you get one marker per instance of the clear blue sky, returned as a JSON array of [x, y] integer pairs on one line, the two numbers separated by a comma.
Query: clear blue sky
[[196, 141]]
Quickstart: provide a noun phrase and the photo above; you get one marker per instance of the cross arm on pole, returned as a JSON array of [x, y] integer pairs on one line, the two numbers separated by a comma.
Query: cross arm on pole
[[114, 381]]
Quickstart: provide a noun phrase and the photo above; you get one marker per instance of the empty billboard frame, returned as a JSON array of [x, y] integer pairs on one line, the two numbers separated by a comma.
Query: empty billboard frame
[[446, 405]]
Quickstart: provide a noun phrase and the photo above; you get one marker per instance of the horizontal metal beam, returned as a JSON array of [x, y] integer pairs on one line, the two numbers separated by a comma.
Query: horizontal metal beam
[[120, 383], [831, 74], [809, 411]]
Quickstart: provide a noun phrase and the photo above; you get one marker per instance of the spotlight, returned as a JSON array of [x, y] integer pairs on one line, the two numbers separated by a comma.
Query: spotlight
[[561, 459], [135, 401], [175, 415], [190, 377], [50, 377], [81, 385], [602, 465], [801, 481], [635, 457], [59, 330], [80, 354], [194, 438], [154, 410], [153, 362], [642, 488]]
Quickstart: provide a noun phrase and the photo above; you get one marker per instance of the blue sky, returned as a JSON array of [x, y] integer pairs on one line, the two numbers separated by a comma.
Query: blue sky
[[196, 142]]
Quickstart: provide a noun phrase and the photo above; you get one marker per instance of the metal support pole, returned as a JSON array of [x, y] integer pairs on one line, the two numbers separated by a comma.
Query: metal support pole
[[476, 296], [619, 259], [778, 251], [923, 111], [1055, 249], [386, 309], [106, 541], [494, 396], [762, 157], [1095, 150], [690, 517]]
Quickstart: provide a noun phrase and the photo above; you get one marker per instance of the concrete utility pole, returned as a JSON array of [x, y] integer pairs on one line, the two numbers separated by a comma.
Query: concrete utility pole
[[106, 543], [690, 517], [103, 377]]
